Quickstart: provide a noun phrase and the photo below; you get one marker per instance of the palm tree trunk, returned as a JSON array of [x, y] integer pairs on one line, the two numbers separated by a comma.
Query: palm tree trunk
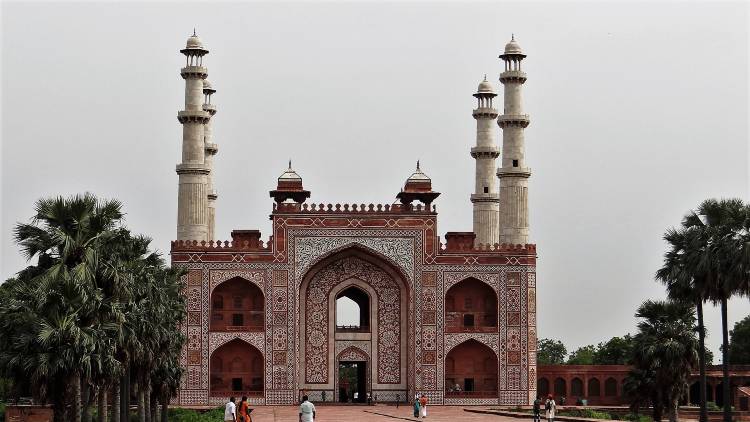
[[116, 401], [725, 361], [141, 404], [702, 362], [147, 402], [101, 410], [154, 405], [76, 397], [125, 411], [86, 395], [164, 407]]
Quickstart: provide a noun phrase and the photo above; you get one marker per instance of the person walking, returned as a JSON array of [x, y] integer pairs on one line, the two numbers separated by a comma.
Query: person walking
[[423, 405], [549, 408], [306, 410], [538, 409], [230, 411], [416, 406], [244, 410]]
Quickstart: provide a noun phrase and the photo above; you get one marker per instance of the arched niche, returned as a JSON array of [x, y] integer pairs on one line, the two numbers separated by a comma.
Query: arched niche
[[471, 370], [542, 387], [236, 369], [237, 305], [595, 388], [470, 306]]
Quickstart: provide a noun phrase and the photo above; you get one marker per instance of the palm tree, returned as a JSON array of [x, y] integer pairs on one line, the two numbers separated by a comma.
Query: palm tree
[[667, 350], [685, 282], [721, 252], [67, 234]]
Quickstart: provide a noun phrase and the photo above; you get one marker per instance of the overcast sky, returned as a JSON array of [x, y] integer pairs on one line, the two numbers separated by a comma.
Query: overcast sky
[[639, 111]]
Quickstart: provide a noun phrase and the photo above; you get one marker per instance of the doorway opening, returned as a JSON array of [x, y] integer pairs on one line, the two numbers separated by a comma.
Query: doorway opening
[[352, 382]]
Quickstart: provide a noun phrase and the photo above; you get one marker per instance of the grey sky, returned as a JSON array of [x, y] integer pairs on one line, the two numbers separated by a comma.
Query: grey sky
[[639, 112]]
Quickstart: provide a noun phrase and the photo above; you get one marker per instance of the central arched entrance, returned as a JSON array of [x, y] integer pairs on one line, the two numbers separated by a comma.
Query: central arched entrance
[[369, 347], [236, 369]]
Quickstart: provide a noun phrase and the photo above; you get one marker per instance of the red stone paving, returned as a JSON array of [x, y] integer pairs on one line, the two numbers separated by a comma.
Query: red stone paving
[[380, 413]]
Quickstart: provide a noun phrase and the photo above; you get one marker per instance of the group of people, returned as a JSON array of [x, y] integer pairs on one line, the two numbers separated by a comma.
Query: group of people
[[237, 413], [550, 407], [241, 412], [420, 405]]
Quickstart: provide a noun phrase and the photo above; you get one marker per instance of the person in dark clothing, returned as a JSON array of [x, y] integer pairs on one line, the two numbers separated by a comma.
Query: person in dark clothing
[[537, 409]]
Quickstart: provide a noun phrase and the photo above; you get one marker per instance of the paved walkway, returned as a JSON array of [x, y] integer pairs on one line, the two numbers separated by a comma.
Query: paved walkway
[[379, 413]]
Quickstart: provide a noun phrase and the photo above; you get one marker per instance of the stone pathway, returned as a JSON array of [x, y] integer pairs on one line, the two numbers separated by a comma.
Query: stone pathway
[[379, 413]]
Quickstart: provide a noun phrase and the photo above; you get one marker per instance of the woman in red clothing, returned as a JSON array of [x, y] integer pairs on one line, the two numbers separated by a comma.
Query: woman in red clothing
[[244, 414]]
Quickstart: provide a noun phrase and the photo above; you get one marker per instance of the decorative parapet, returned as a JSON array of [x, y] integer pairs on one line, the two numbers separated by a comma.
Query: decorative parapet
[[222, 246], [463, 243], [294, 208]]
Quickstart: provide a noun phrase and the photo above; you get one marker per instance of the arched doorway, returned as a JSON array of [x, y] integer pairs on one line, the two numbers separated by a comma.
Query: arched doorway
[[542, 387], [595, 389], [380, 293], [561, 389], [236, 369], [237, 305], [470, 306], [471, 370], [576, 388]]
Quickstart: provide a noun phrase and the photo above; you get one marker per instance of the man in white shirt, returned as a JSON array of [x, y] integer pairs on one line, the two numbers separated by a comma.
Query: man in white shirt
[[230, 411], [306, 410]]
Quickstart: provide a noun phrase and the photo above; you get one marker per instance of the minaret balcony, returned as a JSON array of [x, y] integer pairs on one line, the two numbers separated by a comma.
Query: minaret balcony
[[212, 148], [485, 152], [513, 76], [485, 197], [212, 195], [193, 116], [210, 108], [513, 120], [514, 172], [194, 72], [485, 113], [192, 168]]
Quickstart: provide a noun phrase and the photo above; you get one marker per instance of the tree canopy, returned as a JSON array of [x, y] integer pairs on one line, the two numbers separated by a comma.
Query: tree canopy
[[739, 342]]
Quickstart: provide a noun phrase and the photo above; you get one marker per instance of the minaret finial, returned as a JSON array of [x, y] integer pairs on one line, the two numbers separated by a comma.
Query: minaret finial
[[290, 164], [194, 31], [512, 36], [485, 77], [418, 165]]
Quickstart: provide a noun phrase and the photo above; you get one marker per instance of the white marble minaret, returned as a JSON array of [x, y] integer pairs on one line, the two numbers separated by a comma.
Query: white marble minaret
[[192, 196], [513, 174], [211, 150], [485, 196]]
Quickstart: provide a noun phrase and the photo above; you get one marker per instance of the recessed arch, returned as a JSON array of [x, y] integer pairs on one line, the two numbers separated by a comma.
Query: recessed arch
[[236, 369], [542, 387], [471, 306], [560, 387], [237, 304], [595, 389], [576, 387], [471, 370], [390, 311], [610, 387]]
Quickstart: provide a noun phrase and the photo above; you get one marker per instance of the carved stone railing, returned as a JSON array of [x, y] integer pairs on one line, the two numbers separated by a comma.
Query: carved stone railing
[[218, 245], [312, 208]]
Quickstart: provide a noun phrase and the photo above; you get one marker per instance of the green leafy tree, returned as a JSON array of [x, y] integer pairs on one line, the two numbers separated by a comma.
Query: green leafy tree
[[739, 342], [582, 356], [666, 350], [551, 352], [615, 351]]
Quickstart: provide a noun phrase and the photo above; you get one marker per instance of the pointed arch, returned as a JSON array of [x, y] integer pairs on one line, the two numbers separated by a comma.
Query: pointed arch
[[236, 369], [237, 304], [474, 370]]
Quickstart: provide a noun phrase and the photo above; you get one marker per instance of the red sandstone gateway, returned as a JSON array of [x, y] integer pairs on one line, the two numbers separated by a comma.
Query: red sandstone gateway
[[455, 321]]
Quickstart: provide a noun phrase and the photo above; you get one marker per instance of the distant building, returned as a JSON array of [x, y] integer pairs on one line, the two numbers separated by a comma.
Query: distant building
[[453, 319]]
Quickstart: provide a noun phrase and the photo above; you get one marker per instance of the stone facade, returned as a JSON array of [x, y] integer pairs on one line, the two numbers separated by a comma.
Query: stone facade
[[392, 252]]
